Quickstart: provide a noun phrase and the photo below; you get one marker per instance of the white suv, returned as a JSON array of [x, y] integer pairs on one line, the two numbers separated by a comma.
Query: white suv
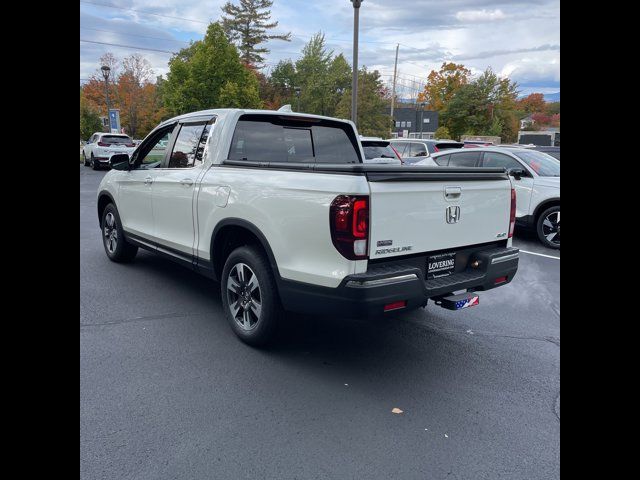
[[536, 178], [99, 148]]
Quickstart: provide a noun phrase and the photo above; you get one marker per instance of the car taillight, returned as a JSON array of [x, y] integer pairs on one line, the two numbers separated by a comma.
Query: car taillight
[[349, 225], [512, 215], [102, 144], [436, 148], [130, 144], [397, 154]]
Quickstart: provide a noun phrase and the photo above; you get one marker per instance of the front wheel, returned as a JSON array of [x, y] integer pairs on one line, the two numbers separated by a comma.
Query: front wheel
[[548, 227], [249, 296], [115, 245]]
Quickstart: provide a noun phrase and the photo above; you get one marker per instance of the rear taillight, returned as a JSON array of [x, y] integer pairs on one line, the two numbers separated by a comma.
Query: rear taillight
[[102, 144], [131, 145], [512, 215], [349, 225]]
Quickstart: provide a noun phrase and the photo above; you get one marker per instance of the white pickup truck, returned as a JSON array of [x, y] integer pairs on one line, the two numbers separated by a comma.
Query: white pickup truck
[[280, 209]]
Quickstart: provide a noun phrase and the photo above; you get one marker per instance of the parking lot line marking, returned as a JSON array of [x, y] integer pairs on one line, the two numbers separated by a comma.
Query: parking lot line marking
[[540, 254]]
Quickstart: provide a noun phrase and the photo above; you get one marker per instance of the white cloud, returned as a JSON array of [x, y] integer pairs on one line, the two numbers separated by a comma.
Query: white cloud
[[480, 15]]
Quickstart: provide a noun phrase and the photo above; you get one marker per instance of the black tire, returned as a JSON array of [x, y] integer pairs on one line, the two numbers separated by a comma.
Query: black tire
[[548, 227], [115, 245], [94, 165], [86, 164], [241, 301]]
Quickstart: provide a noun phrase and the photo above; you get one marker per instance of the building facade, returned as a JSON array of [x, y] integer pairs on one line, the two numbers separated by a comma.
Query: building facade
[[412, 122]]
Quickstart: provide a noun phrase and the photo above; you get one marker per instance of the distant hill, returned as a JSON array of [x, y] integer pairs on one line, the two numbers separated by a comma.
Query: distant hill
[[552, 97]]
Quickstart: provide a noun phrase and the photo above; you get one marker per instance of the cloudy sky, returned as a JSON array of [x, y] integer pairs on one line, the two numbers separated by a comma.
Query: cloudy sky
[[519, 39]]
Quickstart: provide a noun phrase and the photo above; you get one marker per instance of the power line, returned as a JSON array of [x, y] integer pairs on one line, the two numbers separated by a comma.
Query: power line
[[134, 35], [145, 13], [127, 46]]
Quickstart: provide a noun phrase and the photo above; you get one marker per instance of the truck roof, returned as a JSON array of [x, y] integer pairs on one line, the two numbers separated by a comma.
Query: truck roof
[[241, 111]]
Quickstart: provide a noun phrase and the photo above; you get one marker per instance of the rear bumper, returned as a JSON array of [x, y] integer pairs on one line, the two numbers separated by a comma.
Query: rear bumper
[[365, 295]]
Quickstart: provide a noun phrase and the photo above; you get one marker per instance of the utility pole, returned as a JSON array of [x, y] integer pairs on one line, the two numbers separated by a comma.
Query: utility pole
[[354, 82], [393, 90]]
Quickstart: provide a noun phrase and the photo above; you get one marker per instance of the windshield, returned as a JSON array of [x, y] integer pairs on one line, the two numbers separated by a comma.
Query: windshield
[[541, 163], [116, 139], [378, 150]]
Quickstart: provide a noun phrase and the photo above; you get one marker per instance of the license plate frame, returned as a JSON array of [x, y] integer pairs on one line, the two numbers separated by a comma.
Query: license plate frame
[[441, 265]]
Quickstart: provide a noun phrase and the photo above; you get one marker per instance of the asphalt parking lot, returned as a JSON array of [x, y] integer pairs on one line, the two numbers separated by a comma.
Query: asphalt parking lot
[[168, 391]]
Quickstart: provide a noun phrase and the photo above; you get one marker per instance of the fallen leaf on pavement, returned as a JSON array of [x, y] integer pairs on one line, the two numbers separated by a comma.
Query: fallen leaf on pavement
[[396, 410]]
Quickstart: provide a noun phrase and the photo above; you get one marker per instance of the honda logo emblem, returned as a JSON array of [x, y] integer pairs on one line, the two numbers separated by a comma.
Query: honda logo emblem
[[452, 214]]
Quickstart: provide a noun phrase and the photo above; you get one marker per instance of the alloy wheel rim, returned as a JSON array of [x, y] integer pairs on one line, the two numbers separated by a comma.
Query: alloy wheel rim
[[244, 296], [551, 227], [110, 233]]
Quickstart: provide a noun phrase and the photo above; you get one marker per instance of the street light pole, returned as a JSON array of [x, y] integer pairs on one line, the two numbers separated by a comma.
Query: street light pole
[[105, 73], [297, 90], [354, 82]]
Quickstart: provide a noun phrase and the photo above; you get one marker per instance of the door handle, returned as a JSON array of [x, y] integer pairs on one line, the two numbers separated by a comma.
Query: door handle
[[452, 192], [148, 181], [186, 181]]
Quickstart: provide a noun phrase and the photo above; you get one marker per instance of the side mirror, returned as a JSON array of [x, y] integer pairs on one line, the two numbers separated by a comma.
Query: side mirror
[[517, 173], [120, 161]]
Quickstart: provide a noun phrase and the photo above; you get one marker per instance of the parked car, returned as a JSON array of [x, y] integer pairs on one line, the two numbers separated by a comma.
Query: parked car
[[536, 178], [377, 150], [280, 208], [412, 150], [553, 151], [101, 146]]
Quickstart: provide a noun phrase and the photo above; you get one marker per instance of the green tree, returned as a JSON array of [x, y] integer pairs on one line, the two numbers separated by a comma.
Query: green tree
[[89, 119], [248, 24], [209, 74], [372, 100], [442, 132], [485, 106]]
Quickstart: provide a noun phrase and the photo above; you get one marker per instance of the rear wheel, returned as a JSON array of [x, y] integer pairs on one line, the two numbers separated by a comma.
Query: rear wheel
[[84, 157], [249, 296], [115, 245], [94, 165], [548, 227]]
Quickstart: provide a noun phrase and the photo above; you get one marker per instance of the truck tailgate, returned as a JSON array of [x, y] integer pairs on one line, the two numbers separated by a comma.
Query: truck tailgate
[[430, 214]]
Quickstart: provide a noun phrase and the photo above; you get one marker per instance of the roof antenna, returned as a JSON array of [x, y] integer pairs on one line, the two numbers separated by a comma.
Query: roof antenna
[[285, 108]]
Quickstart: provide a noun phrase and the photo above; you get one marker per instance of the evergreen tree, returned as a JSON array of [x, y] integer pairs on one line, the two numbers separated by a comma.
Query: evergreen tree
[[248, 24]]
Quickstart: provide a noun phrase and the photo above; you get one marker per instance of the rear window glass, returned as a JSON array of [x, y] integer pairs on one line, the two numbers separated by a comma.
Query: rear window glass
[[262, 138], [116, 139]]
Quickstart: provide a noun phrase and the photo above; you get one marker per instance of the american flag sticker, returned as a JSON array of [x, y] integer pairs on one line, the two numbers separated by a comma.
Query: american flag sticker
[[471, 302]]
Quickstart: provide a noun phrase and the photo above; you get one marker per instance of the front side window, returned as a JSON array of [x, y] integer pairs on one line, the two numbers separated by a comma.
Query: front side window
[[261, 138], [186, 146], [153, 150], [493, 159], [464, 159]]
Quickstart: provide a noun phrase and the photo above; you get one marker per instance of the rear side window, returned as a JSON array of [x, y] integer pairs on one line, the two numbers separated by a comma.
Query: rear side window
[[431, 147], [464, 159], [442, 160], [262, 138]]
